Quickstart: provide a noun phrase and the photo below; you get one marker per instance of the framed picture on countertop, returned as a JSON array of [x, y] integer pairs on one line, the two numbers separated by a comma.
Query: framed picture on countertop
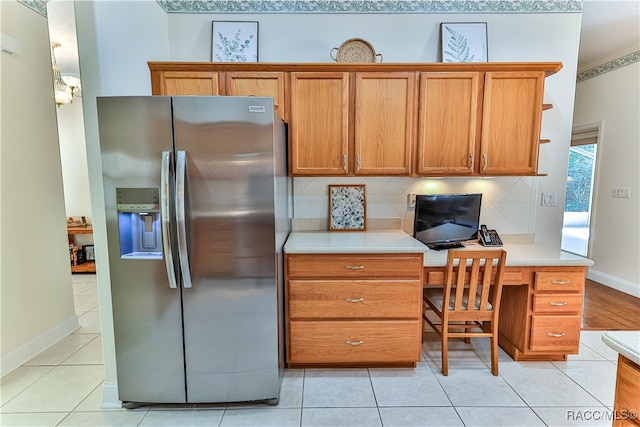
[[347, 208]]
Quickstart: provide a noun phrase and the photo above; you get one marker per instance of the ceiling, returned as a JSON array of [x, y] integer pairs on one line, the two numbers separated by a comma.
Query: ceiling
[[608, 26]]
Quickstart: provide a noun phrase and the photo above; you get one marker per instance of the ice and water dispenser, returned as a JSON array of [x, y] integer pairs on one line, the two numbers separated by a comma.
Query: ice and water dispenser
[[139, 223]]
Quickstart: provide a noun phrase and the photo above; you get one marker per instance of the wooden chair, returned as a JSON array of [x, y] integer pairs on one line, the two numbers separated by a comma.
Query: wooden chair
[[473, 293]]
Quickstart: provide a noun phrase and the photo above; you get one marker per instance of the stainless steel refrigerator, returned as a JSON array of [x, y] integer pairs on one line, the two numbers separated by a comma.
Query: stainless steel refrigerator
[[196, 198]]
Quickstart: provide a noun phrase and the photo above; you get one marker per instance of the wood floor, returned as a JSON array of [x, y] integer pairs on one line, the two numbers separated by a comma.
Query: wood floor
[[608, 309]]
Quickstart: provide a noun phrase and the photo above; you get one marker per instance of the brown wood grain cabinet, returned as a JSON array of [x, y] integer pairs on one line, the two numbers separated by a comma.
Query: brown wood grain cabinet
[[626, 406], [353, 309], [542, 320], [407, 119], [384, 123], [319, 127], [447, 123], [540, 310], [186, 83], [511, 118], [258, 83]]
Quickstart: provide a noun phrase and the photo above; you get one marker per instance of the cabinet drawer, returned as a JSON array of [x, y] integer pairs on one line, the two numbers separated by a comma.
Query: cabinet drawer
[[355, 299], [558, 281], [347, 266], [627, 396], [555, 333], [557, 303], [354, 341]]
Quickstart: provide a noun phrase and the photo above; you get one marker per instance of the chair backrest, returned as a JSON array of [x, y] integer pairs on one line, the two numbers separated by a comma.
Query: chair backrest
[[473, 283]]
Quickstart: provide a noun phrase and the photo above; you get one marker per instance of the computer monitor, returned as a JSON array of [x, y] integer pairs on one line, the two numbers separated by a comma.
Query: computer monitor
[[444, 221]]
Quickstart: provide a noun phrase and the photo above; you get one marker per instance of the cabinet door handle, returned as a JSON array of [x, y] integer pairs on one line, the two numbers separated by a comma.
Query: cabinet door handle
[[551, 334], [345, 163], [558, 304], [472, 162], [560, 282], [358, 162], [486, 160], [354, 300], [355, 267], [354, 342]]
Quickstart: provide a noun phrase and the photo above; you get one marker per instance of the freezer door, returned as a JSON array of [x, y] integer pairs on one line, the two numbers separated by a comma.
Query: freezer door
[[231, 309], [135, 136]]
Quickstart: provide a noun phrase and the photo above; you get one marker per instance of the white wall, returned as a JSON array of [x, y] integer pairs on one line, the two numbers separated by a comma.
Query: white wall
[[114, 41], [73, 152], [513, 208], [37, 296], [612, 101], [120, 37]]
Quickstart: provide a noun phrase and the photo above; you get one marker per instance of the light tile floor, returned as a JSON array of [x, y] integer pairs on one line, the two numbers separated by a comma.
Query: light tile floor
[[63, 387]]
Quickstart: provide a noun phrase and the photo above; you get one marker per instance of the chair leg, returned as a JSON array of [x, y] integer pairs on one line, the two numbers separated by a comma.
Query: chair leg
[[468, 339], [494, 355], [445, 349]]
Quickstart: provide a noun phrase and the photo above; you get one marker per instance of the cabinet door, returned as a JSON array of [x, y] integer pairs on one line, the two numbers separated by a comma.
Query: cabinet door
[[384, 120], [189, 83], [511, 120], [447, 123], [319, 123], [258, 84]]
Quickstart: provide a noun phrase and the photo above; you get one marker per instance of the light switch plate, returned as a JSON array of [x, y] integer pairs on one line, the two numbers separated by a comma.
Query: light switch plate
[[621, 192], [549, 199]]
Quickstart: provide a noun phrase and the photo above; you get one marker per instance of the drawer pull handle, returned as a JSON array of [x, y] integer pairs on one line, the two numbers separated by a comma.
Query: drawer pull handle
[[354, 300], [551, 334], [558, 304], [560, 282], [354, 342], [355, 267]]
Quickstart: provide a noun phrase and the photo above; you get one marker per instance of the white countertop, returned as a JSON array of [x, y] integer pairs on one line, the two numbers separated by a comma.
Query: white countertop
[[327, 242], [627, 343]]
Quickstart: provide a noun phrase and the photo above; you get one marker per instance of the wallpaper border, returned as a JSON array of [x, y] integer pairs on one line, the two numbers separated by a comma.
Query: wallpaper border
[[38, 6], [609, 66], [371, 6]]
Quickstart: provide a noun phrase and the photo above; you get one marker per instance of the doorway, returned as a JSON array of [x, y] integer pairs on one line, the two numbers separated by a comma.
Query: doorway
[[576, 225]]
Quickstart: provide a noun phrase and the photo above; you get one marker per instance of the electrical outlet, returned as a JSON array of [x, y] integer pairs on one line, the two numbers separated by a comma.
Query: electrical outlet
[[621, 192], [411, 200], [549, 199]]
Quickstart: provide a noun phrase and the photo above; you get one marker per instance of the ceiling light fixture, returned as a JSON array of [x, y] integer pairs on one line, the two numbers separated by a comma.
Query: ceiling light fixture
[[65, 87]]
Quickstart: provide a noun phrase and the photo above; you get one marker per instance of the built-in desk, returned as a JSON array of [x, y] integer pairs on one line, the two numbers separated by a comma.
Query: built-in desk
[[541, 308]]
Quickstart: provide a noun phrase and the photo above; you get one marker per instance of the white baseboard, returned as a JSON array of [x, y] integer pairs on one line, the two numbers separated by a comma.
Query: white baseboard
[[110, 396], [621, 285], [21, 355]]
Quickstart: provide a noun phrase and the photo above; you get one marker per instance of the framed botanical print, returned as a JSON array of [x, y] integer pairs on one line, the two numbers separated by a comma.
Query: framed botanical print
[[347, 208], [234, 41], [464, 41]]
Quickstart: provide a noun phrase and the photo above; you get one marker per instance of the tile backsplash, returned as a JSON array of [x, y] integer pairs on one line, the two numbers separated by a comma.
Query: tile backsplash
[[508, 203]]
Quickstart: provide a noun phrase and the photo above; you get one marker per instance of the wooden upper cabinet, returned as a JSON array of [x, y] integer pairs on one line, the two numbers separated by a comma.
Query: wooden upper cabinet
[[447, 123], [319, 130], [186, 83], [245, 83], [511, 119], [409, 119], [384, 122]]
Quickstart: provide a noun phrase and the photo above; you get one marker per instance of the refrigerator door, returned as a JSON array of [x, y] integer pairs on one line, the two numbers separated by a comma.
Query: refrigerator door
[[231, 310], [136, 139]]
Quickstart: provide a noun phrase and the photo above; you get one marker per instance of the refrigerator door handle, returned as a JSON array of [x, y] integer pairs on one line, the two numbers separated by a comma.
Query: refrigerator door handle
[[181, 178], [165, 217]]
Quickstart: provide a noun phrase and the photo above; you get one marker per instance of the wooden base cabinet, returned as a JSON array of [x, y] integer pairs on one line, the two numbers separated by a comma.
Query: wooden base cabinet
[[626, 405], [541, 320], [353, 309]]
